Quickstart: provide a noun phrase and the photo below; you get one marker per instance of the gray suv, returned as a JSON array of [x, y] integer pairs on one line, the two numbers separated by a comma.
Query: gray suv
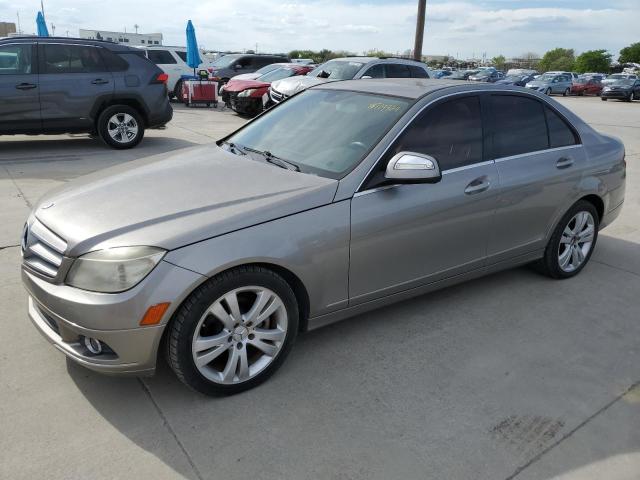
[[347, 197], [227, 67], [64, 85]]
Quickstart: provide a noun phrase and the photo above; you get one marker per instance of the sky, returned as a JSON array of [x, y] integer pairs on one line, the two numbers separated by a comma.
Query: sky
[[457, 28]]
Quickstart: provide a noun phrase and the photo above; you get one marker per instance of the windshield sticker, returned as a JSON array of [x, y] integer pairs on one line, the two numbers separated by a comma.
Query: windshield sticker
[[384, 107]]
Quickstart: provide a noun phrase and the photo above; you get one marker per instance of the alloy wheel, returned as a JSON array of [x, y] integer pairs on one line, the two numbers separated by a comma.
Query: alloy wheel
[[239, 335], [122, 128], [576, 241]]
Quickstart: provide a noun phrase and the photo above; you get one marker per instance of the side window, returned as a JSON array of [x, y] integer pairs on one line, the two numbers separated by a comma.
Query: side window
[[72, 59], [114, 62], [243, 62], [519, 125], [377, 71], [417, 72], [560, 134], [161, 57], [451, 132], [15, 59], [182, 55], [395, 70]]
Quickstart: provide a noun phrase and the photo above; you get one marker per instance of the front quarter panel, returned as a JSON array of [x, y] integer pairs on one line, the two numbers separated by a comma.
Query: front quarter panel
[[313, 245]]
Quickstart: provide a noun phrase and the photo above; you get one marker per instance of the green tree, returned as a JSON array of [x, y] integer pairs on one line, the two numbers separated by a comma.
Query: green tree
[[377, 53], [630, 53], [499, 62], [593, 61], [557, 59]]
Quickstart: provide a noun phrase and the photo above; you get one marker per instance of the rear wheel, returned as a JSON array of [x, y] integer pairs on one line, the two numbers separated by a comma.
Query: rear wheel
[[547, 91], [177, 90], [566, 92], [572, 243], [120, 126], [234, 331], [630, 97]]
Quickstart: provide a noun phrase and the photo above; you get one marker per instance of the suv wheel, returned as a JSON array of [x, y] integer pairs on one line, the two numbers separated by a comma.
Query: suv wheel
[[547, 91], [233, 332], [572, 242], [120, 126], [566, 92], [177, 91]]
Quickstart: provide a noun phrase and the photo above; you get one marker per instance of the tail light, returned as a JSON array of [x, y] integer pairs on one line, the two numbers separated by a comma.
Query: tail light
[[210, 70], [161, 78]]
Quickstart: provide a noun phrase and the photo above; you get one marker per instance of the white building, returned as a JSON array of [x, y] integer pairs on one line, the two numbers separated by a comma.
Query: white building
[[133, 39]]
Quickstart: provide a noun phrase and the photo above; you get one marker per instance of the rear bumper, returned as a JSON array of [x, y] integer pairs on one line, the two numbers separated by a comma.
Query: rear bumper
[[162, 117]]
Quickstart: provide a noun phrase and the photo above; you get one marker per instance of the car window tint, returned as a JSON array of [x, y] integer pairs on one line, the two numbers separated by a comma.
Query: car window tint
[[72, 59], [560, 134], [15, 59], [397, 71], [451, 132], [377, 71], [161, 57], [114, 62], [182, 55], [417, 72], [519, 125]]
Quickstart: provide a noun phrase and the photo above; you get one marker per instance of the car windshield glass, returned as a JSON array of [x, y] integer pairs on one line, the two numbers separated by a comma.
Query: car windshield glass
[[268, 68], [225, 61], [623, 82], [338, 69], [277, 74], [581, 80], [513, 78], [615, 77], [323, 132], [547, 77]]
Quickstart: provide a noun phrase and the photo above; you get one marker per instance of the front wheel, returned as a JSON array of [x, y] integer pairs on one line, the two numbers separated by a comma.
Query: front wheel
[[630, 97], [547, 91], [233, 332], [572, 242], [120, 127], [566, 92]]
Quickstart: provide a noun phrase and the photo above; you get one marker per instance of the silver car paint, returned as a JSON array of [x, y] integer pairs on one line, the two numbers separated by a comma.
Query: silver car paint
[[310, 226]]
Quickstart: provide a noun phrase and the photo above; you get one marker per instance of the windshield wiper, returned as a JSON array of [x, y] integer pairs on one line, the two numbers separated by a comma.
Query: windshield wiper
[[235, 148], [271, 158]]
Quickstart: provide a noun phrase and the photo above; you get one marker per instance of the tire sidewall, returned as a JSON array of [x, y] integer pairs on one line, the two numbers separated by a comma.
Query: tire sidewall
[[551, 252], [186, 319], [104, 117]]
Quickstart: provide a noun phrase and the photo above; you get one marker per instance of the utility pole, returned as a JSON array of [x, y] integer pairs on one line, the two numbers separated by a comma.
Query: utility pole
[[42, 7], [136, 26], [417, 46], [19, 29]]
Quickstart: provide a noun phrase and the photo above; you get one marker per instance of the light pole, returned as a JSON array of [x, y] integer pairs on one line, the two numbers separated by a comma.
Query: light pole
[[417, 46]]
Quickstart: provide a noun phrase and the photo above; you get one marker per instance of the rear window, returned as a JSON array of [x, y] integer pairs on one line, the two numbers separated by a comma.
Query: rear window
[[519, 125], [417, 72], [397, 71], [72, 59], [182, 55], [560, 134], [114, 62], [161, 57]]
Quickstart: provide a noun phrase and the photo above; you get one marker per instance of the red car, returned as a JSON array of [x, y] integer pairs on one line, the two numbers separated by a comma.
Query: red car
[[250, 97], [588, 86]]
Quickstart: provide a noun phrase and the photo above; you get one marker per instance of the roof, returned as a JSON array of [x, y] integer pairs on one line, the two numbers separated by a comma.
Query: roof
[[401, 87], [69, 40]]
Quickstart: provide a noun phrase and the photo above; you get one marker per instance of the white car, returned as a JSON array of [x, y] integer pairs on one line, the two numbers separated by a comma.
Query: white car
[[173, 62]]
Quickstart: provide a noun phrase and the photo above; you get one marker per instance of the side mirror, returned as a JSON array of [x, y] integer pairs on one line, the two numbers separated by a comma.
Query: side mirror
[[411, 167], [323, 74]]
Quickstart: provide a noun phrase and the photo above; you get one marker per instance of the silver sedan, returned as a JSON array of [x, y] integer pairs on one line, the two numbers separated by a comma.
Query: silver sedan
[[344, 198]]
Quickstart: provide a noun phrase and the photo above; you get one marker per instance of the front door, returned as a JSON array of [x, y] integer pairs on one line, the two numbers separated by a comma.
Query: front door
[[73, 81], [19, 93], [403, 236], [539, 159]]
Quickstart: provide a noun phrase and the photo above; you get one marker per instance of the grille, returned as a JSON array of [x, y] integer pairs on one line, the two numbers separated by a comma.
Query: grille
[[276, 96], [42, 249]]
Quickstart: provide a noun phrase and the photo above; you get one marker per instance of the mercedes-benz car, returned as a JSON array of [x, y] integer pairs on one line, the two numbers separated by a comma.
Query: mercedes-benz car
[[345, 198]]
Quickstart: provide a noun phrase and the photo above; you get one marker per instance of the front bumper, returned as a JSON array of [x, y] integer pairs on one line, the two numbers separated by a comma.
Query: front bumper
[[65, 316], [246, 105], [622, 94]]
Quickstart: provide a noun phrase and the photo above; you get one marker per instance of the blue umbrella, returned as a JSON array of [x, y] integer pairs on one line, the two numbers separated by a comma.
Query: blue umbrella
[[42, 26], [193, 56]]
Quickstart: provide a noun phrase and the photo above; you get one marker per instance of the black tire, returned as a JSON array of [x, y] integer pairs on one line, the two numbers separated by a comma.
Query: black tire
[[566, 92], [108, 114], [549, 264], [547, 91], [603, 99], [186, 319], [177, 90], [630, 97]]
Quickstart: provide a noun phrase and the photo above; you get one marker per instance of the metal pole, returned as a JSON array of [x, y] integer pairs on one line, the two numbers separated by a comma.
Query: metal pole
[[417, 46], [42, 7]]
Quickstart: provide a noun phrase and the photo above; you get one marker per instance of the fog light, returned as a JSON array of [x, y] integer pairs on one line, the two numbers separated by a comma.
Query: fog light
[[93, 345]]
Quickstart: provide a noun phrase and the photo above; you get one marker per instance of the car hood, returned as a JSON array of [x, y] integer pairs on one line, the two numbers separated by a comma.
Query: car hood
[[240, 85], [292, 85], [246, 76], [175, 199], [537, 83]]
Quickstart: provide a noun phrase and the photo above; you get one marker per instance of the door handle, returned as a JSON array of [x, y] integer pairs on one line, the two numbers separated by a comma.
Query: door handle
[[564, 162], [100, 81], [477, 186], [25, 86]]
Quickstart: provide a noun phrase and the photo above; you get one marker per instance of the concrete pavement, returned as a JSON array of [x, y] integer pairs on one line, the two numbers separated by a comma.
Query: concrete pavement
[[509, 376]]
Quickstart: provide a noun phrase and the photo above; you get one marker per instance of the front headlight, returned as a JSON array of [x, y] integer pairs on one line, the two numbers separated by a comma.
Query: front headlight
[[114, 269], [246, 93]]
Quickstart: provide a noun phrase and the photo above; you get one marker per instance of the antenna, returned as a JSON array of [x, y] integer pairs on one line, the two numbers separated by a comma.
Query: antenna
[[19, 29], [136, 26]]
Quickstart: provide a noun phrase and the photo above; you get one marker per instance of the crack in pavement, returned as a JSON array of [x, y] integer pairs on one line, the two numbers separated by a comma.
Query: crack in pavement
[[570, 433], [2, 247], [616, 268], [146, 390], [20, 192]]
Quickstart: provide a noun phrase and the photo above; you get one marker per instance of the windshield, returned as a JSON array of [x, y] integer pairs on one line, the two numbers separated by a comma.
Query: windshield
[[338, 69], [277, 74], [624, 82], [547, 77], [268, 68], [514, 78], [323, 132], [225, 61]]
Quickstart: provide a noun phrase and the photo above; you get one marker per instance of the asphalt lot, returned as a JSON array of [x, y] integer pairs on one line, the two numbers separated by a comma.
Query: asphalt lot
[[510, 376]]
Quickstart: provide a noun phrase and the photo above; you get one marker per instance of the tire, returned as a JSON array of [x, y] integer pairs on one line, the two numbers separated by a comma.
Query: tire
[[547, 91], [566, 92], [132, 121], [603, 99], [177, 90], [630, 97], [227, 345], [563, 240]]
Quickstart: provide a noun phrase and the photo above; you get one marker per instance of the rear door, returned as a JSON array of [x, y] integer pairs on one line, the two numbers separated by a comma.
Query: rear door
[[19, 93], [73, 80], [539, 168]]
